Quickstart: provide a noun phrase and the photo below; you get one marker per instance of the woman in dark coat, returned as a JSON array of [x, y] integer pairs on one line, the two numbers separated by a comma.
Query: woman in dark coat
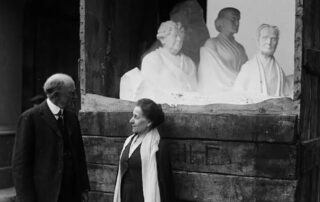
[[144, 173]]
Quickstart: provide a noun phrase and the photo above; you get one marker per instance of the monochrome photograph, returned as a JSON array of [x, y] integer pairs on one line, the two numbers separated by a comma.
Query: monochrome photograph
[[160, 101]]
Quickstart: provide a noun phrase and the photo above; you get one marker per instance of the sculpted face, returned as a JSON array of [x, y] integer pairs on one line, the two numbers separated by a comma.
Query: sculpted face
[[268, 41], [138, 121], [174, 41], [230, 23]]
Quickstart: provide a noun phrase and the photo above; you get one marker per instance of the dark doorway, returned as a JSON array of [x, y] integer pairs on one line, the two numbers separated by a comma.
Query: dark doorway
[[51, 43]]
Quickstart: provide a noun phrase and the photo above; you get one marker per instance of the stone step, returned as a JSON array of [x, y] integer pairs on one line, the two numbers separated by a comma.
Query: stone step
[[7, 195]]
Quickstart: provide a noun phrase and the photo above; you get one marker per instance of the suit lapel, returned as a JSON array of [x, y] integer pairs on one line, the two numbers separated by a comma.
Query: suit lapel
[[49, 118]]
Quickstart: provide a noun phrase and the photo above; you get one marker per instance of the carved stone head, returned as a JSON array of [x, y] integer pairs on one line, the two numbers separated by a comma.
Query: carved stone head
[[171, 36]]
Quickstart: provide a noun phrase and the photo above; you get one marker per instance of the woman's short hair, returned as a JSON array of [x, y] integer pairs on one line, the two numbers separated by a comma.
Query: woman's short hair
[[273, 27], [221, 16], [167, 27], [152, 111]]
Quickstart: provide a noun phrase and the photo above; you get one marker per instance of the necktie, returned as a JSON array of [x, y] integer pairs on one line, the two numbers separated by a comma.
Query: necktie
[[63, 130], [60, 120]]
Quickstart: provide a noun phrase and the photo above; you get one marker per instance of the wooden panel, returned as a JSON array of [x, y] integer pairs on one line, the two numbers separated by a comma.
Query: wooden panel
[[102, 177], [209, 187], [313, 108], [305, 106], [246, 159], [277, 106], [310, 110], [82, 60], [102, 150], [316, 24], [238, 158], [310, 157], [308, 22], [100, 197], [308, 187], [298, 43], [269, 128], [313, 61], [94, 36], [303, 188]]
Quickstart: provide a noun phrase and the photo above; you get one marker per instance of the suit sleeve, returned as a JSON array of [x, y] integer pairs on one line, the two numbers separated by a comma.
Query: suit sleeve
[[84, 186], [22, 161], [166, 184]]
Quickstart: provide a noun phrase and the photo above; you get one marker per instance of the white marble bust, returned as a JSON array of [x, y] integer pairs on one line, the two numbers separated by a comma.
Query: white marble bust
[[221, 57], [165, 72], [263, 74]]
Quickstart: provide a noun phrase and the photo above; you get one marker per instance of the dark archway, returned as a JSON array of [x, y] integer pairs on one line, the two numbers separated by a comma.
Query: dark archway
[[51, 43]]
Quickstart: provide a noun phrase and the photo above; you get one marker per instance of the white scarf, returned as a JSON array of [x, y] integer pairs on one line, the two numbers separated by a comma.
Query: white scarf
[[150, 185]]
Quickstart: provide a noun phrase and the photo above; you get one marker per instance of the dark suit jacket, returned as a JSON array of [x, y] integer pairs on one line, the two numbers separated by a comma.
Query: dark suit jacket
[[38, 155]]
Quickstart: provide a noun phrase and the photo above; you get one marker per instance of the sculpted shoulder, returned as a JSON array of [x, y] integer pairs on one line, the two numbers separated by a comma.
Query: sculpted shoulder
[[240, 46], [189, 61], [152, 56], [151, 60], [248, 65], [248, 71], [211, 43]]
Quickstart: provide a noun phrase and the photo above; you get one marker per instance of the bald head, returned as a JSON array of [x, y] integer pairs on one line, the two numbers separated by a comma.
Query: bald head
[[56, 83]]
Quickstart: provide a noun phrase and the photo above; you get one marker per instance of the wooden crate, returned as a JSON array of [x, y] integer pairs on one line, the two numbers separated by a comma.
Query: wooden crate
[[216, 156], [263, 152]]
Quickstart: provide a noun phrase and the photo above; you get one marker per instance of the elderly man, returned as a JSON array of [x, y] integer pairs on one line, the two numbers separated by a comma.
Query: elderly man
[[221, 57], [262, 75], [49, 160]]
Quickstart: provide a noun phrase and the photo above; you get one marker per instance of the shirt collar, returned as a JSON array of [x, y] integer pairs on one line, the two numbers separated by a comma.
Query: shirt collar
[[53, 108]]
